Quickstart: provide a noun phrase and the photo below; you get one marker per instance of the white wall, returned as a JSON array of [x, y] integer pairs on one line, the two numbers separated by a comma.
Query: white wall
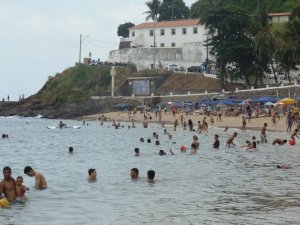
[[179, 39]]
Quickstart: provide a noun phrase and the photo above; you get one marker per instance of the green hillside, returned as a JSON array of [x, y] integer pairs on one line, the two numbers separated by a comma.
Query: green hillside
[[76, 84]]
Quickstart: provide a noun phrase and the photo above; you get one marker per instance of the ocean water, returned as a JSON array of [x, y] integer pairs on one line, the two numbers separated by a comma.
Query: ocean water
[[227, 186]]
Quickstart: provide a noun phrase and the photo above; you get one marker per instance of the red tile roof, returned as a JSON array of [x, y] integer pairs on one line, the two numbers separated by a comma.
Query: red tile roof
[[280, 14], [174, 23]]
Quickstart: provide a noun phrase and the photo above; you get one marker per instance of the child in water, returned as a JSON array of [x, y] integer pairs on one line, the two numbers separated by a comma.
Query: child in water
[[92, 175], [21, 189]]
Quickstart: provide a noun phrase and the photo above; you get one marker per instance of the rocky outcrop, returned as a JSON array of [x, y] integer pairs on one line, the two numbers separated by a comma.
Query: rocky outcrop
[[34, 107]]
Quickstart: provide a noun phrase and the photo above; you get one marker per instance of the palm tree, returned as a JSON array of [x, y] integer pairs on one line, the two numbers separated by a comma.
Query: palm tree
[[152, 13], [265, 44]]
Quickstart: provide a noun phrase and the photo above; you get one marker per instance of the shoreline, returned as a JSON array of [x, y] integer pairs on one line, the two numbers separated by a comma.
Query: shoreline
[[231, 122]]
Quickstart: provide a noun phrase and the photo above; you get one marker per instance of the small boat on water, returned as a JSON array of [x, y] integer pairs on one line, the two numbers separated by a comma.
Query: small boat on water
[[65, 127]]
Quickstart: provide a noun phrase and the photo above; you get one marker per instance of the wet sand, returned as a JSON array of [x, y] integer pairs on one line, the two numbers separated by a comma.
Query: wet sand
[[168, 119]]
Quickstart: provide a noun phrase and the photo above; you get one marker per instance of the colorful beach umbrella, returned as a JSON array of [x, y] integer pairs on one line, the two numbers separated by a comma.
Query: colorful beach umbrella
[[288, 101], [269, 103]]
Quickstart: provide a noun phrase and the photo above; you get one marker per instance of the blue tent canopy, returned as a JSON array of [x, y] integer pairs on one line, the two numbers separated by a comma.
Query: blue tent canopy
[[228, 102], [267, 99]]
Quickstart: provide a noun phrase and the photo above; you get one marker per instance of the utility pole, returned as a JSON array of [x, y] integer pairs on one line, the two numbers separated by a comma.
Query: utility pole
[[80, 40]]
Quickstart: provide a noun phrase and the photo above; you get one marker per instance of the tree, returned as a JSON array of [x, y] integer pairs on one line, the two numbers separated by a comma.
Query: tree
[[123, 29], [264, 38], [230, 43], [288, 53], [173, 9], [153, 11]]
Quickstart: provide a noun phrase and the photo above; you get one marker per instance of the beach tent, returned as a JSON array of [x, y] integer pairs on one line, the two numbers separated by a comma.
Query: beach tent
[[228, 102], [267, 99], [254, 100], [288, 101], [269, 103]]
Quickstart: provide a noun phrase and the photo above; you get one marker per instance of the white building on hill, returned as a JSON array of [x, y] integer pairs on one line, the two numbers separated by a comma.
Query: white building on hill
[[180, 42], [280, 17]]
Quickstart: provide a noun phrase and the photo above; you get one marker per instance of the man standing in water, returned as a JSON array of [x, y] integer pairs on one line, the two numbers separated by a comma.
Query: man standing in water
[[40, 181], [8, 185], [263, 136]]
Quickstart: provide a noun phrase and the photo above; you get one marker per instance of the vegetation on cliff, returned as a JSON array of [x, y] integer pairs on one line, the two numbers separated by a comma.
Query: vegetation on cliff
[[76, 84]]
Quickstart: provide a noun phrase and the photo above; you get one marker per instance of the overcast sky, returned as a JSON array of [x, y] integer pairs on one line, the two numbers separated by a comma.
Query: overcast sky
[[40, 38]]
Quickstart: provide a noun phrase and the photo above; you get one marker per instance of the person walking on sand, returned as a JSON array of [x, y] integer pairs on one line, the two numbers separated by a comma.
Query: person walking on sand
[[40, 180]]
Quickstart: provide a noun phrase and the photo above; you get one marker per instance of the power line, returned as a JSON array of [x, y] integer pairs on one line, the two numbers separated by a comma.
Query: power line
[[108, 42], [96, 45]]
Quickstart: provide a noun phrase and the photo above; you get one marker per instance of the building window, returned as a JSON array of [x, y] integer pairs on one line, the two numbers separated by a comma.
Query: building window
[[173, 44], [133, 33], [162, 32], [183, 31], [195, 30], [173, 31], [151, 32], [162, 44]]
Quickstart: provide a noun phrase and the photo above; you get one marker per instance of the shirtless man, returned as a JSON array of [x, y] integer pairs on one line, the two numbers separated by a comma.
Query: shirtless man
[[8, 185], [230, 140], [279, 141], [263, 136], [40, 181]]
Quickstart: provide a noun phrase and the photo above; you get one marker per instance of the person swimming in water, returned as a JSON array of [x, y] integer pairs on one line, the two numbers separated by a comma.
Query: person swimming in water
[[136, 152], [71, 150], [216, 143], [21, 189], [150, 176], [229, 141], [40, 181], [134, 174], [279, 141], [92, 175], [251, 147], [294, 134]]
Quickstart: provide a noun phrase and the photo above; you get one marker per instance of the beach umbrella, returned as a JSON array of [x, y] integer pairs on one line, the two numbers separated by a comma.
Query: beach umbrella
[[269, 103], [288, 101]]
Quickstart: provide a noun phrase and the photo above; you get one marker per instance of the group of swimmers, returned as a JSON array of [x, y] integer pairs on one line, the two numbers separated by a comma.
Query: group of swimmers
[[14, 190], [4, 135]]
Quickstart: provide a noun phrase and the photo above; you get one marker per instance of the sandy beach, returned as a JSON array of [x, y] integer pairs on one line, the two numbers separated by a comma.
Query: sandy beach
[[168, 118]]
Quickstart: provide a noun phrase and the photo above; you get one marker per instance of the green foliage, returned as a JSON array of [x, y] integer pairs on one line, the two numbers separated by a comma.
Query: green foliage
[[123, 29], [153, 9], [76, 84], [180, 10], [242, 36]]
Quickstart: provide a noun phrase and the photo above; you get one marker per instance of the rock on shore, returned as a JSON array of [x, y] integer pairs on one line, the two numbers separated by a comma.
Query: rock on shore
[[34, 107]]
